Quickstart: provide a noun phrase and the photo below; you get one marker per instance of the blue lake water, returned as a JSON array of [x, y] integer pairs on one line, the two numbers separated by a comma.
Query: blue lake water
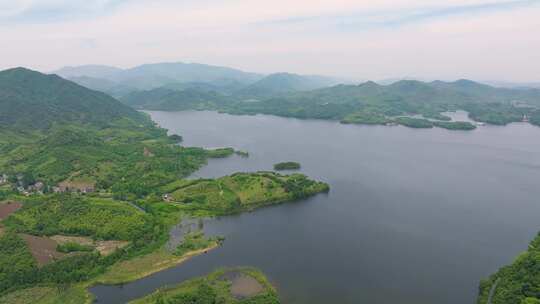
[[413, 216]]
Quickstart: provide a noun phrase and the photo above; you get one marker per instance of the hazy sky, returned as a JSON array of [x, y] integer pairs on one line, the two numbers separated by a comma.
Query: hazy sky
[[361, 39]]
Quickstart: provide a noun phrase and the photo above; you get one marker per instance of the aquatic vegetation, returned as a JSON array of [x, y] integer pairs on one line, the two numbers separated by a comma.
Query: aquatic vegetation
[[287, 166]]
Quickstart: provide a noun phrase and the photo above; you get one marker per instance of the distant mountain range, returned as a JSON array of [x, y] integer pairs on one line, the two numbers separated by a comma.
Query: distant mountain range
[[281, 83], [485, 103], [514, 85], [178, 76], [181, 86], [150, 76]]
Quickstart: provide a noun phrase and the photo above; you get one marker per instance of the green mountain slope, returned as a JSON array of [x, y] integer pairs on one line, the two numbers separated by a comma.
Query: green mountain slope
[[54, 130], [103, 85], [176, 100], [31, 100], [283, 83]]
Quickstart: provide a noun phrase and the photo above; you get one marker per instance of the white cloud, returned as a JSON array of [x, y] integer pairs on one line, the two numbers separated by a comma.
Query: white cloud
[[12, 8], [340, 37]]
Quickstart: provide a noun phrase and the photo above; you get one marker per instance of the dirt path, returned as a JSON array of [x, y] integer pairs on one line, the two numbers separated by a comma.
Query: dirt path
[[492, 291], [136, 207]]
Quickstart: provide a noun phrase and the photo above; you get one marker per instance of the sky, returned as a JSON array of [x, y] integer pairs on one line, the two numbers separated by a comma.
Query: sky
[[354, 39]]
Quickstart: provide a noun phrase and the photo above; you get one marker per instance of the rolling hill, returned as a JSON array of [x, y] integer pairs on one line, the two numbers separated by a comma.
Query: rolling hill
[[281, 83], [164, 99], [361, 103], [103, 85], [220, 93], [31, 100]]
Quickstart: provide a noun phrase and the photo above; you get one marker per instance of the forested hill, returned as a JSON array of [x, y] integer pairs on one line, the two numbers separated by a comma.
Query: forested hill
[[281, 83], [372, 103], [32, 100], [165, 99], [366, 103], [411, 91]]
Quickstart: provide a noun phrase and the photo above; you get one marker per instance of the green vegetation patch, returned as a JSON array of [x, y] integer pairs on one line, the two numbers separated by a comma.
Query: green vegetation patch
[[435, 115], [77, 215], [17, 265], [287, 166], [194, 241], [458, 125], [410, 122], [365, 118], [73, 247], [220, 153], [495, 113]]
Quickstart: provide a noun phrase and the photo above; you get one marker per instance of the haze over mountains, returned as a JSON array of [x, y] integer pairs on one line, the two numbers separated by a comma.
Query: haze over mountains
[[187, 86], [178, 76]]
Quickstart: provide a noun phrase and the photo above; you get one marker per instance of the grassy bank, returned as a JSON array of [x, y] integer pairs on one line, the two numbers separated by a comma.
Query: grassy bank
[[143, 266]]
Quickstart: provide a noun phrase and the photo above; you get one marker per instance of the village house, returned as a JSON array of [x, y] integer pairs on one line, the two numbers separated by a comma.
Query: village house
[[37, 187], [167, 197], [3, 179], [23, 191]]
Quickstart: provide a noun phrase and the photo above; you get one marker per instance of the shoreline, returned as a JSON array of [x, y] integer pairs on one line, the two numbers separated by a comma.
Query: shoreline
[[159, 265]]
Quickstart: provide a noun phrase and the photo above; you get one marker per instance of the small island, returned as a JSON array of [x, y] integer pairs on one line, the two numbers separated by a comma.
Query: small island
[[287, 166], [235, 285]]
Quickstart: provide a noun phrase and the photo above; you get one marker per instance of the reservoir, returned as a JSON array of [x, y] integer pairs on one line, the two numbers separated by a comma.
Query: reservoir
[[414, 216]]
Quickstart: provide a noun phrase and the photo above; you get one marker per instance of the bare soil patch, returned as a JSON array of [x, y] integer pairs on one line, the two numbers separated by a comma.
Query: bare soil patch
[[62, 239], [77, 185], [43, 249], [243, 286], [104, 247], [108, 247], [7, 208]]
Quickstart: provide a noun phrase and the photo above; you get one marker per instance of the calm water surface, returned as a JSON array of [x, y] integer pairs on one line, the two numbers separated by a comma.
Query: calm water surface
[[413, 216]]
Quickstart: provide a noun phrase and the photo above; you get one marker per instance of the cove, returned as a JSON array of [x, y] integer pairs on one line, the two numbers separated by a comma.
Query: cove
[[413, 216]]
